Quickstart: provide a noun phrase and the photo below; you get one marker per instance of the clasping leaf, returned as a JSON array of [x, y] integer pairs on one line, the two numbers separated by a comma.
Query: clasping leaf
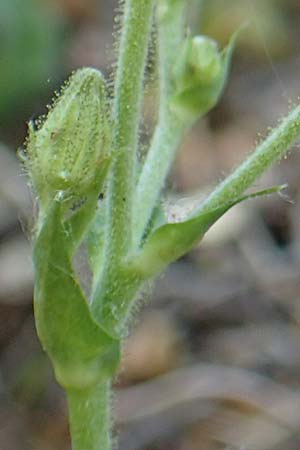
[[172, 240], [81, 352]]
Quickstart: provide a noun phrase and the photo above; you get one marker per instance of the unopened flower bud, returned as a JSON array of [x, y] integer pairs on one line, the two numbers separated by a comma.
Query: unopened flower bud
[[199, 75], [204, 59], [71, 146]]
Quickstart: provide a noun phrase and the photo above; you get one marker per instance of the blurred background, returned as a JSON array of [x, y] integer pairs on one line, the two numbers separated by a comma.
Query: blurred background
[[213, 361]]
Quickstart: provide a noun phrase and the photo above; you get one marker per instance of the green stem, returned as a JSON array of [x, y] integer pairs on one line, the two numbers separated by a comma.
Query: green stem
[[169, 130], [274, 147], [90, 418], [128, 96], [126, 115]]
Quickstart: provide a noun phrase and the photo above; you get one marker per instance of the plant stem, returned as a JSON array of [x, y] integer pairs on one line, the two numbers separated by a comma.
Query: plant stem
[[128, 96], [169, 130], [90, 418], [274, 147], [136, 28]]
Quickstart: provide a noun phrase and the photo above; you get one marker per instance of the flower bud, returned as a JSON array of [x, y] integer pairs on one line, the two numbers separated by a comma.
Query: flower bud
[[69, 148], [198, 62], [165, 8], [199, 76], [205, 59]]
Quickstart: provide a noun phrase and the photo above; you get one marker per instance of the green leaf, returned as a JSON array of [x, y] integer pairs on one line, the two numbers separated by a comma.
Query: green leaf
[[82, 353], [95, 240], [172, 240]]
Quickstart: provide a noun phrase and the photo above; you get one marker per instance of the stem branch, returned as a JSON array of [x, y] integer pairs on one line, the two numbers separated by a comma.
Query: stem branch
[[169, 130], [126, 114], [128, 96], [270, 150]]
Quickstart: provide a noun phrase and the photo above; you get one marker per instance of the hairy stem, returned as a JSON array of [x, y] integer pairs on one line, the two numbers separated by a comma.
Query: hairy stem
[[126, 116], [90, 418], [169, 129], [270, 150], [137, 22]]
